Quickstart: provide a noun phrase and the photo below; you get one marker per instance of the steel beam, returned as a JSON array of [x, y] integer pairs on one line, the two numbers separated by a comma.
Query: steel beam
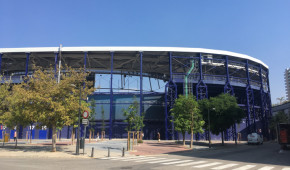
[[201, 87], [141, 83], [111, 96], [228, 88], [1, 62], [250, 102], [170, 96], [27, 63], [85, 61], [55, 64]]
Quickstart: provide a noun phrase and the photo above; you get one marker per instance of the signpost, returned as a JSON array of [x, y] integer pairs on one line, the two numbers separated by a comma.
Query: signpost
[[85, 122]]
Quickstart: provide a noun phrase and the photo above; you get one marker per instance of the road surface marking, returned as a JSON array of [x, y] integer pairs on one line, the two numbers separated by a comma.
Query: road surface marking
[[152, 159], [118, 158], [108, 157], [286, 169], [245, 167], [166, 160], [138, 158], [191, 163], [225, 166], [266, 168], [206, 165], [176, 162]]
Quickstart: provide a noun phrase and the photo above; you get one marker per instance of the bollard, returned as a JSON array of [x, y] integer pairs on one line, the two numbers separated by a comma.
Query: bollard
[[92, 155], [123, 152], [108, 151]]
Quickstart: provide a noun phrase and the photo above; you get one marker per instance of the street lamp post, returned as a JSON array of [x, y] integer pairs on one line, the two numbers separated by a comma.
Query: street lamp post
[[79, 124]]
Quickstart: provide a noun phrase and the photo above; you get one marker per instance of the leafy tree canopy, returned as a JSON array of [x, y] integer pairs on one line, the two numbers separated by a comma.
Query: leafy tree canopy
[[223, 110]]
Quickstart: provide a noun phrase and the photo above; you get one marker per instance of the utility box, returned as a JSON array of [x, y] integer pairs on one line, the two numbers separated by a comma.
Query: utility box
[[6, 137], [284, 133]]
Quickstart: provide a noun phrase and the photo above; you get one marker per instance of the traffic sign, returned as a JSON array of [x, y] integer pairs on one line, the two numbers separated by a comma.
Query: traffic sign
[[86, 114], [85, 122]]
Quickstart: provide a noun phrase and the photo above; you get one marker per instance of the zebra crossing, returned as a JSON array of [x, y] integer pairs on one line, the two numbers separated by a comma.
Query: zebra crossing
[[195, 164]]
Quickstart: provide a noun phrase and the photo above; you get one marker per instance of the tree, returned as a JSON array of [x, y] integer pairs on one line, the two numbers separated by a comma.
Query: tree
[[186, 116], [280, 117], [50, 103], [226, 113], [131, 113], [92, 116], [134, 120], [281, 99]]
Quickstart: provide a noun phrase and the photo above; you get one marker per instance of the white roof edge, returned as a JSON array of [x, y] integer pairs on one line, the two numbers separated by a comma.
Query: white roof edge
[[143, 49]]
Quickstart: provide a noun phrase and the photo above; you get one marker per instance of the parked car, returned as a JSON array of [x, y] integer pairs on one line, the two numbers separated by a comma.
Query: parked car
[[255, 138]]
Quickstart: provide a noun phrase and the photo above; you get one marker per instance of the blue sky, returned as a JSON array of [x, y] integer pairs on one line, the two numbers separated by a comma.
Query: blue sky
[[259, 28]]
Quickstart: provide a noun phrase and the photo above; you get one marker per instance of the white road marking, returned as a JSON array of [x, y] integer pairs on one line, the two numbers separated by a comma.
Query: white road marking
[[191, 163], [119, 158], [166, 160], [225, 166], [176, 162], [245, 167], [152, 159], [206, 165], [140, 158], [108, 157], [286, 169], [266, 168]]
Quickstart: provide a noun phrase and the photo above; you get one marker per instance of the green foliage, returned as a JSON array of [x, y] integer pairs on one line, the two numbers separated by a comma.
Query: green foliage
[[134, 120], [44, 100], [223, 110], [280, 117], [93, 109], [186, 115]]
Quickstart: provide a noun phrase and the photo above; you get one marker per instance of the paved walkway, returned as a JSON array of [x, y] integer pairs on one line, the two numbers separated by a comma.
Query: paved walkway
[[42, 148]]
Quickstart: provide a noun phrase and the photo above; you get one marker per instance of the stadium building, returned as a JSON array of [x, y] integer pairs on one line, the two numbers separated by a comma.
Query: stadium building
[[203, 72]]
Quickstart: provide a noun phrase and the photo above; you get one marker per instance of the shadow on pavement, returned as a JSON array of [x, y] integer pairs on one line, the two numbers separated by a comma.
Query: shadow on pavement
[[268, 153]]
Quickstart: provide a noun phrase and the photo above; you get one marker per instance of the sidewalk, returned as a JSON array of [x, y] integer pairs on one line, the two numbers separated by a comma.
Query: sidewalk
[[42, 148]]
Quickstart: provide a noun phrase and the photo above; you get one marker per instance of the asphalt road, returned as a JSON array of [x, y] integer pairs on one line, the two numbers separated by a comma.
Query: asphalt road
[[264, 157]]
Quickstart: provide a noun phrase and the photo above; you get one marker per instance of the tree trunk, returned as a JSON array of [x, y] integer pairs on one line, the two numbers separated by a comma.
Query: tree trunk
[[223, 139], [53, 138], [31, 134], [183, 138], [16, 143], [72, 136], [191, 139]]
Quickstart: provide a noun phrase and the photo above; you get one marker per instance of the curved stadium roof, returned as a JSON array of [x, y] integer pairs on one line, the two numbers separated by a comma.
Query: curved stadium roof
[[129, 49]]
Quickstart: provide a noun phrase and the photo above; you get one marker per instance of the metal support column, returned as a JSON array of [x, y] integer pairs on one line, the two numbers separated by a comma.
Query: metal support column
[[250, 103], [111, 97], [85, 60], [141, 83], [268, 114], [27, 63], [201, 87], [55, 64], [263, 105], [229, 89], [170, 96], [0, 62]]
